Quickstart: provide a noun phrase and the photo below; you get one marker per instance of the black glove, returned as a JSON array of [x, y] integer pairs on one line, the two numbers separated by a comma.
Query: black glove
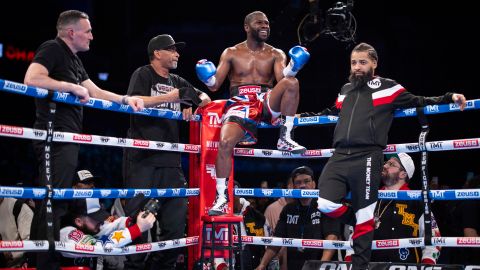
[[189, 94]]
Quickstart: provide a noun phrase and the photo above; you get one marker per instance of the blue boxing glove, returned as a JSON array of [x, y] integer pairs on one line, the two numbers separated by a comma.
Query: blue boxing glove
[[206, 71], [298, 58]]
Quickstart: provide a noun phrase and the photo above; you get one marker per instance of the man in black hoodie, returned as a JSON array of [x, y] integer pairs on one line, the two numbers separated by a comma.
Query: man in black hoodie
[[365, 107]]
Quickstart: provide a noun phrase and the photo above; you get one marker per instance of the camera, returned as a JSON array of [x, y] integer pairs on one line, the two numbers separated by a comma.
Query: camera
[[152, 206], [337, 17]]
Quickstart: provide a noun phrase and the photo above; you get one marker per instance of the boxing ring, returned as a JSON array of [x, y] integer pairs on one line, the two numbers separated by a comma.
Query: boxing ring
[[204, 132]]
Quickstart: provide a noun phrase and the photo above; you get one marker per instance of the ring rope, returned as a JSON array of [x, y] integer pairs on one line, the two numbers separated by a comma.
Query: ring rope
[[37, 92], [36, 134], [70, 193], [98, 249]]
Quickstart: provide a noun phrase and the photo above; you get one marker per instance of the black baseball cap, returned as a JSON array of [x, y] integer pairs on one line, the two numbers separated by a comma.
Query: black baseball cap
[[162, 42]]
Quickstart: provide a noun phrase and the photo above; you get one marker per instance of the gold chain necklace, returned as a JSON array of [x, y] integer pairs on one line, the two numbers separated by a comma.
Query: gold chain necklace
[[379, 214]]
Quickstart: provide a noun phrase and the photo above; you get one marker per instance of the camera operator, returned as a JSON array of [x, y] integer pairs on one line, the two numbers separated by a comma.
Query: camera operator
[[89, 224]]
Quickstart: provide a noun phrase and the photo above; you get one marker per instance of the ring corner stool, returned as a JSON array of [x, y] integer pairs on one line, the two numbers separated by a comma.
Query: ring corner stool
[[222, 221]]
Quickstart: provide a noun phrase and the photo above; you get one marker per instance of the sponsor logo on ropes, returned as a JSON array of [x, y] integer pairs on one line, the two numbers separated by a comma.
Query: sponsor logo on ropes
[[161, 244], [415, 242], [38, 133], [413, 267], [267, 192], [106, 104], [338, 244], [176, 242], [267, 152], [58, 135], [287, 192], [175, 192], [41, 92], [454, 106], [38, 243], [470, 241], [438, 240], [391, 148], [174, 146], [145, 111], [192, 192], [143, 247], [388, 194], [121, 141], [161, 112], [414, 194], [463, 194], [62, 96], [312, 243], [60, 245], [82, 247], [59, 193], [212, 145], [246, 239], [11, 244], [437, 194], [266, 240], [11, 192], [286, 153], [332, 118], [191, 240], [141, 143], [249, 90], [412, 147], [104, 139], [312, 153], [145, 192], [214, 119], [432, 108], [387, 243], [287, 241], [11, 130], [244, 191], [465, 143], [436, 145], [311, 119], [82, 137], [37, 193], [309, 193], [161, 192], [122, 192], [192, 148], [160, 144], [82, 193], [15, 87], [105, 193], [244, 151], [210, 169], [409, 111], [124, 107]]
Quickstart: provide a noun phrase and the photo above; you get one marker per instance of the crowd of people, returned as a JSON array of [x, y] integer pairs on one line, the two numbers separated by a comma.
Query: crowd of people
[[262, 87]]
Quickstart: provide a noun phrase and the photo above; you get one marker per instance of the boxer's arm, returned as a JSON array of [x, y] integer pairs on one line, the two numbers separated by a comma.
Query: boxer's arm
[[223, 69], [280, 64]]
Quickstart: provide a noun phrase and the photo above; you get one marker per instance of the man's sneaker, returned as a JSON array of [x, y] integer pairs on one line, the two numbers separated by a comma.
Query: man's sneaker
[[290, 145], [220, 206]]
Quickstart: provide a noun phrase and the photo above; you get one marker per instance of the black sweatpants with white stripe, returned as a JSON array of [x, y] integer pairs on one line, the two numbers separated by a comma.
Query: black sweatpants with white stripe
[[360, 174]]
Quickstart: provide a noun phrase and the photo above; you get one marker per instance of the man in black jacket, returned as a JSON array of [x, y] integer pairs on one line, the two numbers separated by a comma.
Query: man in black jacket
[[365, 107]]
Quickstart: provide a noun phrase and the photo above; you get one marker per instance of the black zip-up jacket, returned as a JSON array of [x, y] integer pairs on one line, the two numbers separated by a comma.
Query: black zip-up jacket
[[366, 113]]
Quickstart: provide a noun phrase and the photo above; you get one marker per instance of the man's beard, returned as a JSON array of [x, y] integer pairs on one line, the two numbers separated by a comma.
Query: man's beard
[[86, 230], [360, 80], [257, 37], [389, 179]]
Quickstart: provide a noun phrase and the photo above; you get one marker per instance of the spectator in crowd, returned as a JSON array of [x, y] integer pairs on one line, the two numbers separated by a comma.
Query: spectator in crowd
[[401, 219]]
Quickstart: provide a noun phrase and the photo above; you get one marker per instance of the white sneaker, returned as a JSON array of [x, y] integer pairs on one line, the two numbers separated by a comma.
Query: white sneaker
[[220, 206], [290, 145]]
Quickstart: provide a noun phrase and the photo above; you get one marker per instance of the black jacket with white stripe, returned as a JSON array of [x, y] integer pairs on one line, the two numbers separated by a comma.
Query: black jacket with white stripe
[[366, 113]]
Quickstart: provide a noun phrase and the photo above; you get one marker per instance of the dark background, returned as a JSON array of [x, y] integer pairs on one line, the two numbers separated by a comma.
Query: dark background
[[428, 47]]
